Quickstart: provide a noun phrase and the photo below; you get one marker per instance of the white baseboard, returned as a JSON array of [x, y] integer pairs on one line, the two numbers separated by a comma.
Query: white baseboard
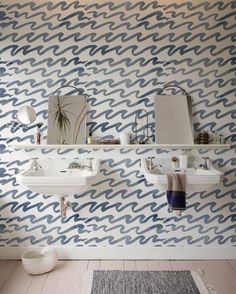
[[66, 252]]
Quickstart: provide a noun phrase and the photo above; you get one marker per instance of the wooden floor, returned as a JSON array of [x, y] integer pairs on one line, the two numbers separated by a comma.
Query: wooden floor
[[67, 276]]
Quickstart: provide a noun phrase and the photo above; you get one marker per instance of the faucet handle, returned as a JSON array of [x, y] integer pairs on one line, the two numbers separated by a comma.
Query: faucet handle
[[206, 163], [151, 160], [34, 164], [90, 158], [90, 163], [205, 158]]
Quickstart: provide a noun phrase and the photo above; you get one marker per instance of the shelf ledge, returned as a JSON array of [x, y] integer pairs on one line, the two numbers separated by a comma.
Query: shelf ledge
[[118, 146]]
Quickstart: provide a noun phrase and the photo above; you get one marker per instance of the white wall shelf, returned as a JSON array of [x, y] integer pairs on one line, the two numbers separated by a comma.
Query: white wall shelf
[[118, 146]]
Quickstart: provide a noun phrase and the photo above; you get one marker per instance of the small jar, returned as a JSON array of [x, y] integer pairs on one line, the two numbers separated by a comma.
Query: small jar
[[124, 138], [90, 139], [174, 162]]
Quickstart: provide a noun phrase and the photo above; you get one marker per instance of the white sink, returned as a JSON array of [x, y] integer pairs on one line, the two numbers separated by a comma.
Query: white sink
[[56, 179], [197, 180]]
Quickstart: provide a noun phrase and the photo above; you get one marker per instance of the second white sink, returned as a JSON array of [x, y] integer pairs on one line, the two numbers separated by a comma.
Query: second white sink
[[197, 180]]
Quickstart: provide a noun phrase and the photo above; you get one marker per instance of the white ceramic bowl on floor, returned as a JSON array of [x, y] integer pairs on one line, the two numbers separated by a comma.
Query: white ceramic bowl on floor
[[37, 263]]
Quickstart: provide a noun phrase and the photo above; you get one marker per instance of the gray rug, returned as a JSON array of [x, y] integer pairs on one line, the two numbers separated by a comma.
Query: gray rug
[[144, 282]]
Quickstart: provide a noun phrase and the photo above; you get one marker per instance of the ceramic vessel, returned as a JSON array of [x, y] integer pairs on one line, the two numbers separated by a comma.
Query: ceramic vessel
[[36, 263], [124, 138]]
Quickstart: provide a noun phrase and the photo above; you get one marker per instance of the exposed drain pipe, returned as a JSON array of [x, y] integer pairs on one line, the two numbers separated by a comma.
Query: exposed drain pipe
[[64, 205]]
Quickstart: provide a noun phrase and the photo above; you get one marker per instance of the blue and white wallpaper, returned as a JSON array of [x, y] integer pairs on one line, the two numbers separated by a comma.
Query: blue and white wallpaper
[[119, 53]]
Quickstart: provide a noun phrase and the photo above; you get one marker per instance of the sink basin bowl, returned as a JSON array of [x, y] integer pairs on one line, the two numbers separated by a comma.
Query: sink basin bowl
[[57, 180], [197, 180]]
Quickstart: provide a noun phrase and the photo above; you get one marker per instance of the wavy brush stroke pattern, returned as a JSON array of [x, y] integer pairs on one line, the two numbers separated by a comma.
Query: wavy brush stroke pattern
[[119, 53]]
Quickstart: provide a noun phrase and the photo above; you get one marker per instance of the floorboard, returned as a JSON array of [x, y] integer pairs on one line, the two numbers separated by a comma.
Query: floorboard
[[111, 265], [77, 285], [94, 265], [8, 268], [68, 277], [232, 264], [179, 265], [165, 265], [141, 265], [226, 269], [52, 278], [17, 278], [153, 265], [129, 265], [37, 284], [77, 269], [219, 280]]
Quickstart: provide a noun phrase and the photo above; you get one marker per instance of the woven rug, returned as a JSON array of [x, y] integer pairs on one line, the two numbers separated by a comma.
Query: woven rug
[[144, 282]]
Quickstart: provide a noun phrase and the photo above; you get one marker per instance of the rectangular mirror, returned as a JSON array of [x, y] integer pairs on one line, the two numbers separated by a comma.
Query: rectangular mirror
[[173, 120], [66, 120]]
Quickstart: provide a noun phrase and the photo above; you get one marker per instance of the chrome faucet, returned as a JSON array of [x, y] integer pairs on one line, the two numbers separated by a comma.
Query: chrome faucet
[[35, 165], [206, 164], [90, 166], [151, 166]]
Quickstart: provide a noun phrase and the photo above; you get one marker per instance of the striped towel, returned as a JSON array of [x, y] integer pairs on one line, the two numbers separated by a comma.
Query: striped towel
[[176, 191]]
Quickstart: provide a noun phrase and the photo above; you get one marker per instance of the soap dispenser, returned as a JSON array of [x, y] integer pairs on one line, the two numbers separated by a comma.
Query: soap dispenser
[[183, 160]]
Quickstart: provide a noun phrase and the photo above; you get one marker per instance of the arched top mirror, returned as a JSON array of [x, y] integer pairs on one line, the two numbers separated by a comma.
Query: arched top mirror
[[26, 115], [173, 118]]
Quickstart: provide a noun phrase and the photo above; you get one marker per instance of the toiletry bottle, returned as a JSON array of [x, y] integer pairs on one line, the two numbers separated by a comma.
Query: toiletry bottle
[[221, 139], [213, 138], [217, 138], [124, 138], [38, 136], [174, 162], [90, 138], [183, 160]]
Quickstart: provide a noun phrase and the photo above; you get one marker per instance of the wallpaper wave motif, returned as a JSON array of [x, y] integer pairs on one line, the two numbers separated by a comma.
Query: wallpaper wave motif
[[119, 53]]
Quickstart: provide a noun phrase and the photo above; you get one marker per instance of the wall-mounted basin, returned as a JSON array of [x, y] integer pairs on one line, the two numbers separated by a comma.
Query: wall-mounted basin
[[57, 179], [197, 180]]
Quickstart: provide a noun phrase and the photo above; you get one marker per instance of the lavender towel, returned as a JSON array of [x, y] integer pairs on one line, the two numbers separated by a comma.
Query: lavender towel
[[176, 191]]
